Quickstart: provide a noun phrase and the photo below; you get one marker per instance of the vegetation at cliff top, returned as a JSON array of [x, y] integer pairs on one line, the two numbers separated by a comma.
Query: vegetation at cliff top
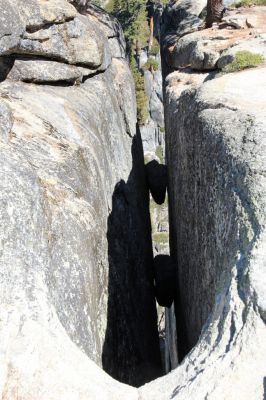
[[133, 16], [244, 59]]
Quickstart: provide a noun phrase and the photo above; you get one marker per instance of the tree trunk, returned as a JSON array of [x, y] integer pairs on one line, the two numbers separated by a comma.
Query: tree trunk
[[214, 11], [151, 33]]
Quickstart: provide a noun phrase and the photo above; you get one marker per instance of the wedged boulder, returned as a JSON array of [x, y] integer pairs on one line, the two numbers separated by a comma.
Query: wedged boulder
[[164, 277], [157, 180]]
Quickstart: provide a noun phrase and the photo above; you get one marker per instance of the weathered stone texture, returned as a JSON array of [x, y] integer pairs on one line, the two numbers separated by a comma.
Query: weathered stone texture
[[215, 151], [216, 161], [65, 145], [185, 45], [211, 203], [75, 247]]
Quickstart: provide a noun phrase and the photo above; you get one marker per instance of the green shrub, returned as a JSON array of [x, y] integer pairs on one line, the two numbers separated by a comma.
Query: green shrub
[[142, 102], [141, 98], [155, 48], [151, 65], [244, 59]]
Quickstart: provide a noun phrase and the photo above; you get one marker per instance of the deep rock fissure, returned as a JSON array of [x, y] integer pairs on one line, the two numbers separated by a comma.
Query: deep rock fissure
[[79, 272]]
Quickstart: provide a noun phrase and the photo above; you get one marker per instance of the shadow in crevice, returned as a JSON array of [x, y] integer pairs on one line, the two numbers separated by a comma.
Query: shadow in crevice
[[264, 387], [131, 349], [183, 347], [6, 64]]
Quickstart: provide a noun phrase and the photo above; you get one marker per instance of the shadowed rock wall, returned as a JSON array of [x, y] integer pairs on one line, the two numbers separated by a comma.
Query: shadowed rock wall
[[68, 137]]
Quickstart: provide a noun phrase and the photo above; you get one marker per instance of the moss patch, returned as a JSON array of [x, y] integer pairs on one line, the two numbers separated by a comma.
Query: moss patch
[[244, 59]]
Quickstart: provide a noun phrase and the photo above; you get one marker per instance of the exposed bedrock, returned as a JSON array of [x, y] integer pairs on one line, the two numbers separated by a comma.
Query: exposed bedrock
[[76, 273], [215, 152], [75, 242], [216, 164]]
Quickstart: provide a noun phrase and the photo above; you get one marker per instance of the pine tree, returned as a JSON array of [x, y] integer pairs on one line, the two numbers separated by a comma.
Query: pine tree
[[132, 14]]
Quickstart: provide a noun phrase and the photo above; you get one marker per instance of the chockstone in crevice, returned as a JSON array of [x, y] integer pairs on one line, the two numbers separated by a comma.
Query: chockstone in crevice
[[77, 236]]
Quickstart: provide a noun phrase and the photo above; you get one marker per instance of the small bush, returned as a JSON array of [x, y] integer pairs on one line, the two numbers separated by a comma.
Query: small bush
[[155, 48], [244, 59], [151, 65], [141, 98]]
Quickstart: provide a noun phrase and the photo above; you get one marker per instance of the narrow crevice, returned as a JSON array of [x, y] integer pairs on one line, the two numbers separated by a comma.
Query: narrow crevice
[[47, 25], [6, 64], [131, 351]]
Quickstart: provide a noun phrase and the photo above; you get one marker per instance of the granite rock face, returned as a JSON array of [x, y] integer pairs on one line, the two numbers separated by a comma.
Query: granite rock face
[[217, 198], [215, 152], [211, 49], [153, 133], [75, 241]]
